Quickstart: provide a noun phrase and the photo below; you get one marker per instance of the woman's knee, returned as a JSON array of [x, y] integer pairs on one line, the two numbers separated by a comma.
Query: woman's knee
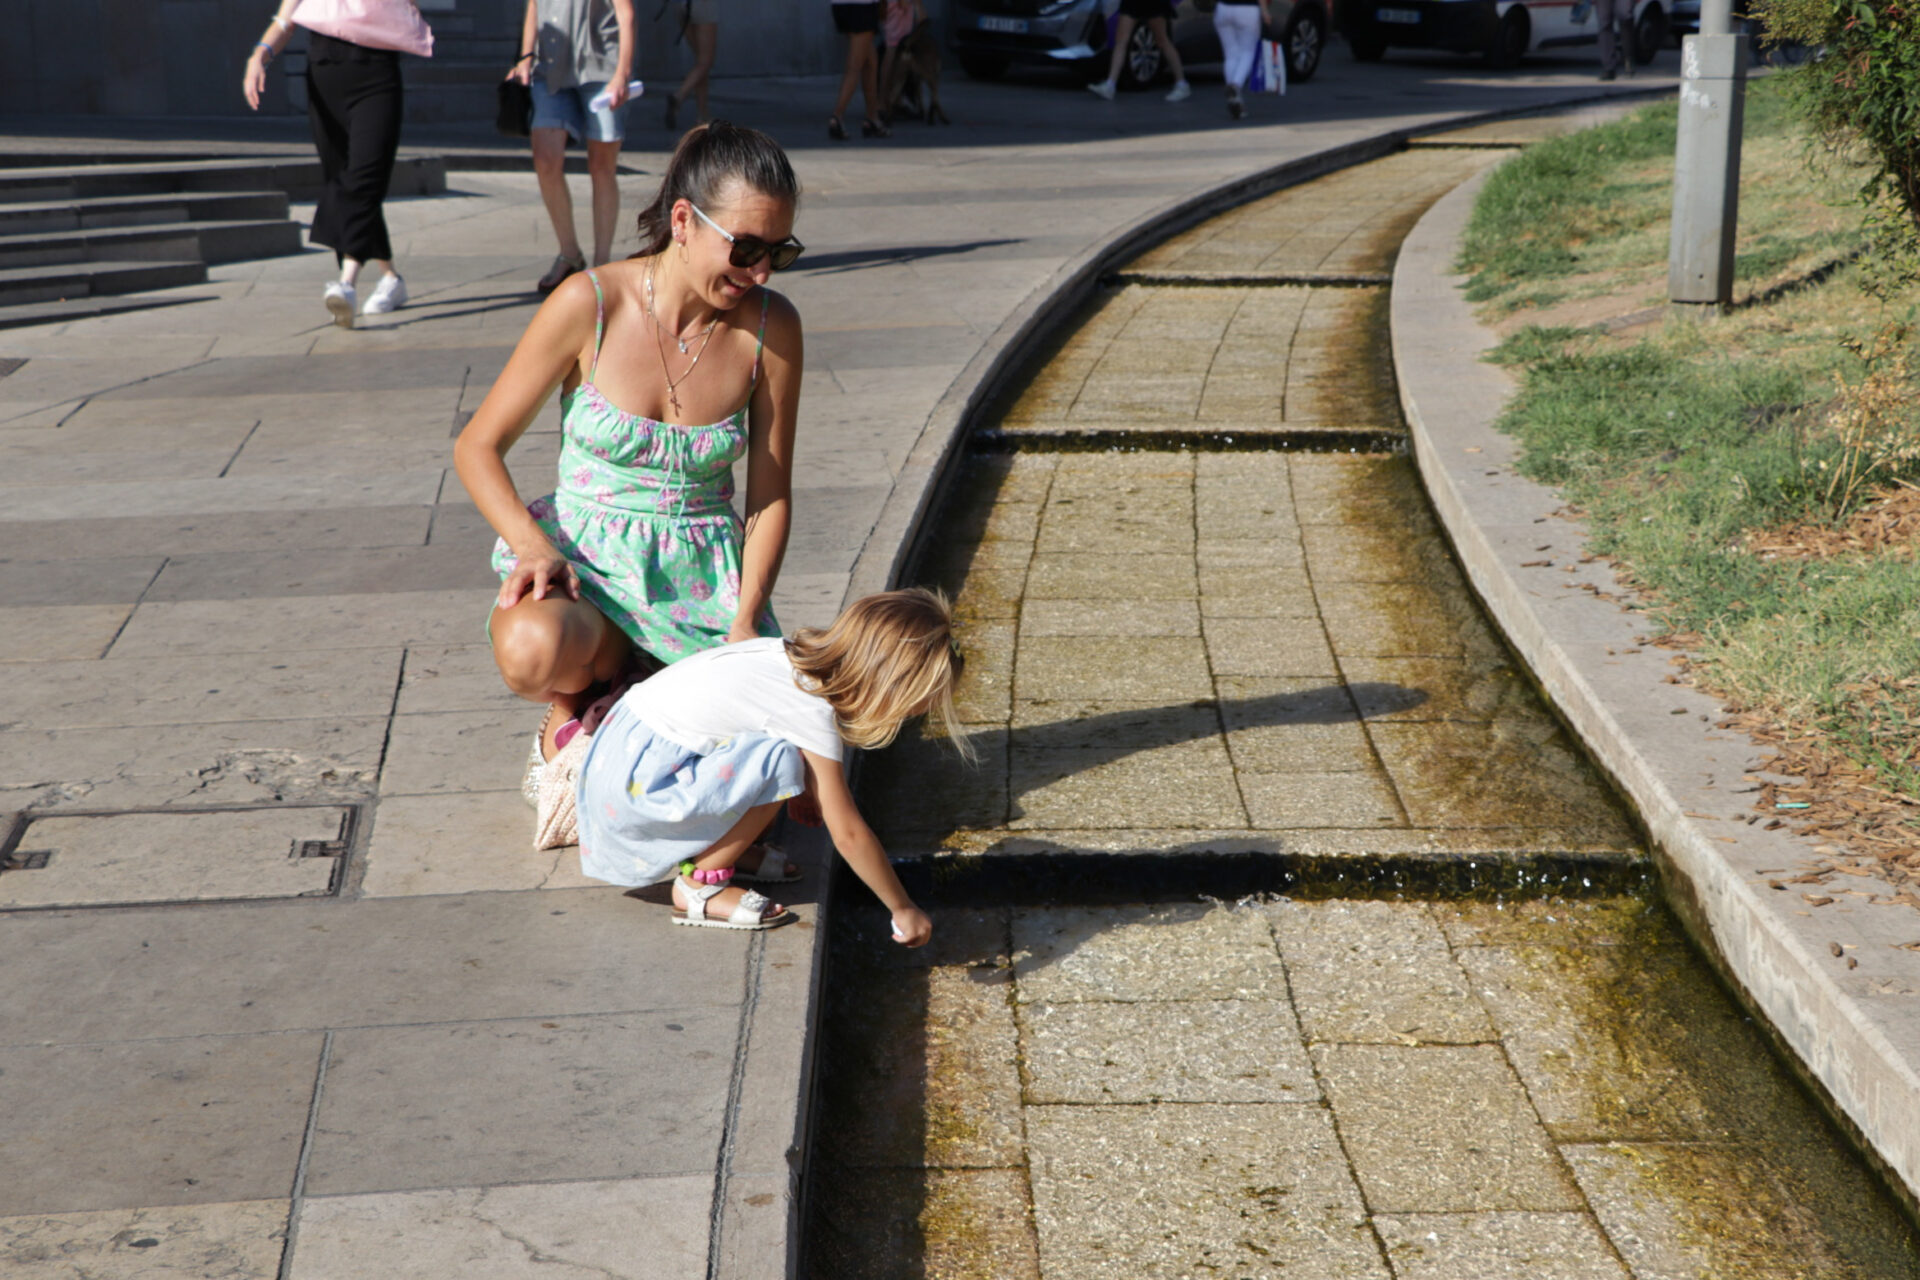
[[528, 651], [603, 161]]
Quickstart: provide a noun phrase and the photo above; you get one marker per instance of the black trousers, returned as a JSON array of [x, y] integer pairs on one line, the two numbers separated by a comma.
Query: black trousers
[[354, 99]]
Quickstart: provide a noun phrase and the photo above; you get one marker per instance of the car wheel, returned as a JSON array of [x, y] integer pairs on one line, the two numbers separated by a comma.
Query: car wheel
[[1366, 45], [1510, 39], [1303, 40], [1649, 34], [1141, 67], [983, 66]]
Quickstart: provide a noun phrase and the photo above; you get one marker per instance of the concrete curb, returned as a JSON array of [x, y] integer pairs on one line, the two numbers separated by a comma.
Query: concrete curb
[[1854, 1032]]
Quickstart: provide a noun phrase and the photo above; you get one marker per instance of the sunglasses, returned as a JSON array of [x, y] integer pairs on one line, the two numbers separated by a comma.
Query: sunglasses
[[748, 250]]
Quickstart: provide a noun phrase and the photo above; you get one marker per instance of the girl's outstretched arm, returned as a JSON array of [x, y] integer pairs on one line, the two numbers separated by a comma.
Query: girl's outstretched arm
[[856, 842]]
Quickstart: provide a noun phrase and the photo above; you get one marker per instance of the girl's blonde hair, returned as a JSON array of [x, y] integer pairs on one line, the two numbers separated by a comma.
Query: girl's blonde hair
[[885, 659]]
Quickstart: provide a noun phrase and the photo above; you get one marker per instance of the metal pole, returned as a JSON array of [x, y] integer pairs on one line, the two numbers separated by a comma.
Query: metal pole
[[1706, 161]]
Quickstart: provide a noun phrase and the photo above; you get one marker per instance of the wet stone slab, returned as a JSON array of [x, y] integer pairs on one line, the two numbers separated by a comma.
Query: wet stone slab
[[1180, 952], [1441, 1128], [1378, 972], [1177, 1190], [1164, 1051], [1497, 1246]]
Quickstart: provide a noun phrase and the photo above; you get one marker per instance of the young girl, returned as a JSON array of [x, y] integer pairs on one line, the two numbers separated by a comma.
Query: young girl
[[692, 764]]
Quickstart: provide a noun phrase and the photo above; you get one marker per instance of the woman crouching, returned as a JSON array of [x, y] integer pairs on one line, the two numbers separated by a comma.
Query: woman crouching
[[693, 763]]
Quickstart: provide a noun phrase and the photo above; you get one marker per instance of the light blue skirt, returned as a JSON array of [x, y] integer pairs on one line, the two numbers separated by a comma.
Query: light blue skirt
[[647, 804]]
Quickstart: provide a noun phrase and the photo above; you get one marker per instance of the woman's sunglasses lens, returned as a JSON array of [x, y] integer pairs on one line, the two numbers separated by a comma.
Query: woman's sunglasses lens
[[748, 251]]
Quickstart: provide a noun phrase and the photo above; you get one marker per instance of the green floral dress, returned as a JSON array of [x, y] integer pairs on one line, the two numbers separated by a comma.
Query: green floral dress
[[644, 511]]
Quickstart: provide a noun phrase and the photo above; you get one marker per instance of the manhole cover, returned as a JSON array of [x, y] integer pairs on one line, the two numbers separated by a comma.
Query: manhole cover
[[120, 858]]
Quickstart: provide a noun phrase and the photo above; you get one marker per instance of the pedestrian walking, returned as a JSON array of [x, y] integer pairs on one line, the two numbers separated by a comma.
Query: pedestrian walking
[[576, 56], [1616, 36], [692, 764], [1239, 24], [700, 28], [859, 22], [672, 364], [1154, 13], [354, 104]]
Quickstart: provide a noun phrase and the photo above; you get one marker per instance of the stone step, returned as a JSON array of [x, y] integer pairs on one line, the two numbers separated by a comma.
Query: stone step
[[131, 211], [92, 279], [208, 241], [62, 310], [296, 175]]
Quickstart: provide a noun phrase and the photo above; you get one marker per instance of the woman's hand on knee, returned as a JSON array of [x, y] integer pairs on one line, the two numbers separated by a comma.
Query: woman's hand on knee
[[538, 576]]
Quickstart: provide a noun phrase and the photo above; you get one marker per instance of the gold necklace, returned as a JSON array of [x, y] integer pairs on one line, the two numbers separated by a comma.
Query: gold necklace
[[673, 383]]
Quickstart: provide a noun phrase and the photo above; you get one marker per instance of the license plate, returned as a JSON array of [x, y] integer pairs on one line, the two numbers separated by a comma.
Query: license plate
[[1012, 26], [1409, 16]]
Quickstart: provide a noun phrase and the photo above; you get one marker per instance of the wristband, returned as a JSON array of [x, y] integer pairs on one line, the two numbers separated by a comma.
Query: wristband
[[525, 57], [262, 44], [282, 23]]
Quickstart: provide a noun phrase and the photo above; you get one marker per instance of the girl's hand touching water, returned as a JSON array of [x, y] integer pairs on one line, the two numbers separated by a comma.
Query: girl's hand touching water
[[911, 927]]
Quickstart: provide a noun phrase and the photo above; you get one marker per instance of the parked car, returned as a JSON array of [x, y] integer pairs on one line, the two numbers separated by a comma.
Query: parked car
[[1503, 31], [991, 35], [1683, 20]]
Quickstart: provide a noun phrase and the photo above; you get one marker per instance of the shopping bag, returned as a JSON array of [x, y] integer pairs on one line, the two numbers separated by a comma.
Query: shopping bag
[[1269, 69]]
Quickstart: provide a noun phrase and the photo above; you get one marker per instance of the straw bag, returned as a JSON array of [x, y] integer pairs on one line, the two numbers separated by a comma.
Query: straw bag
[[556, 819]]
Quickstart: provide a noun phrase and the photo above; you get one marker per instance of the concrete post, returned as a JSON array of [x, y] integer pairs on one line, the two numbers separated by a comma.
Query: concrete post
[[1706, 162]]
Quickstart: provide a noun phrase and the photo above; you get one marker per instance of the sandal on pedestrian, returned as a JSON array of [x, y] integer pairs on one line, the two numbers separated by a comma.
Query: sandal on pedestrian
[[874, 129], [771, 868], [750, 913], [562, 267], [836, 130]]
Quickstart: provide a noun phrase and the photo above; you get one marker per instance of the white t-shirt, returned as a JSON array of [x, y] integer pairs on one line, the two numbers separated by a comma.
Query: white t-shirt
[[734, 689]]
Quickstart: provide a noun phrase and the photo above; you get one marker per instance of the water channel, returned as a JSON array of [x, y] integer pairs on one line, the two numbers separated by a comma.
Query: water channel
[[1281, 931]]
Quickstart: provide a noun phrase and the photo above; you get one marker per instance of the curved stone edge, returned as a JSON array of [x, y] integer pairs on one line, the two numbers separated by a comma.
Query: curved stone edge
[[1855, 1033]]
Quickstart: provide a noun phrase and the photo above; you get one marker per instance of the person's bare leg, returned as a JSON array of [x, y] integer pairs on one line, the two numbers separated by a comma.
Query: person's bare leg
[[703, 39], [550, 167], [869, 77], [554, 651], [1122, 32], [1160, 37], [726, 851], [603, 165], [850, 78]]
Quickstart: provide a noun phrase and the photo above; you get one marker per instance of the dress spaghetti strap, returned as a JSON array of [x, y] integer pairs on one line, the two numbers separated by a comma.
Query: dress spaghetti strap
[[760, 342], [600, 325]]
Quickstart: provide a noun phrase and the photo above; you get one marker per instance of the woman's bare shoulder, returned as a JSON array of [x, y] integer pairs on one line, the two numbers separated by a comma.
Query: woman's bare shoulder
[[783, 318]]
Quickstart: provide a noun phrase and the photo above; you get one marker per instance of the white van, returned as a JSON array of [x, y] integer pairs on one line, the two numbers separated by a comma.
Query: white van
[[1502, 31]]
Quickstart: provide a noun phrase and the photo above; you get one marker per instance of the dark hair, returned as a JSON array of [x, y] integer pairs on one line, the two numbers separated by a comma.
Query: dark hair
[[708, 158]]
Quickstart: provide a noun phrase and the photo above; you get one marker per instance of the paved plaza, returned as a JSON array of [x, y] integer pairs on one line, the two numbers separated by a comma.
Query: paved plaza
[[292, 996]]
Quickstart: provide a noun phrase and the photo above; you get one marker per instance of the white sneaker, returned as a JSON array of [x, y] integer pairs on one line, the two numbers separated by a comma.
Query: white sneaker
[[1180, 92], [1101, 89], [389, 295], [340, 300]]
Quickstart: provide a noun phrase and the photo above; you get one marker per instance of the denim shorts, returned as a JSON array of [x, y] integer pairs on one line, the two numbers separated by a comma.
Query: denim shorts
[[567, 109]]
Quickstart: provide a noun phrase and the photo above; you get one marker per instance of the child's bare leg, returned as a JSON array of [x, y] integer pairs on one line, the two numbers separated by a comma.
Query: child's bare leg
[[726, 851]]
